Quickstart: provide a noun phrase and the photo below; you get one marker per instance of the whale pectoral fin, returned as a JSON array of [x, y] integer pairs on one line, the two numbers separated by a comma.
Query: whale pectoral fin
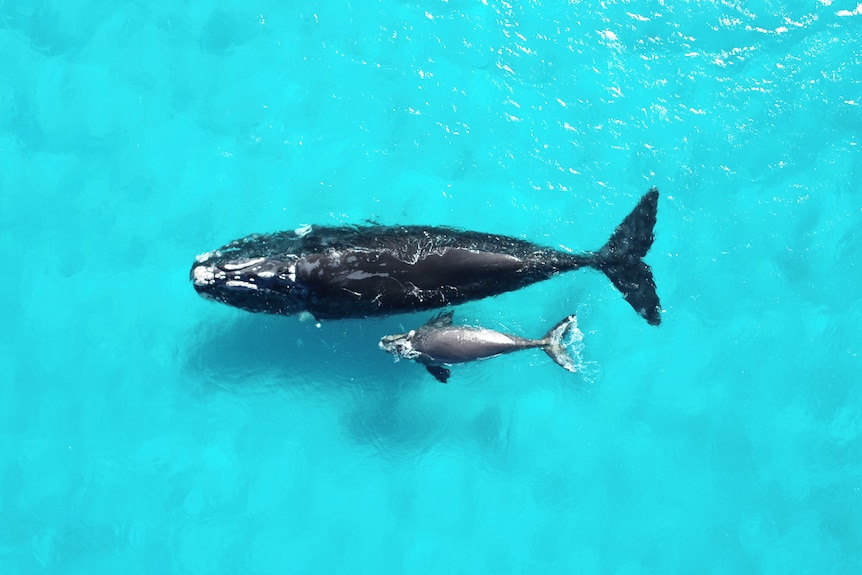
[[442, 320], [439, 372]]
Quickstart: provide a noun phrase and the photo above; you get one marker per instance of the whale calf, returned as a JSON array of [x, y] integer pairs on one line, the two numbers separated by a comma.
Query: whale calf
[[375, 270], [438, 343]]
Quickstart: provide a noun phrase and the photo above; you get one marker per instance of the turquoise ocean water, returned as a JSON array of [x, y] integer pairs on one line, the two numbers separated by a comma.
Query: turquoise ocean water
[[145, 430]]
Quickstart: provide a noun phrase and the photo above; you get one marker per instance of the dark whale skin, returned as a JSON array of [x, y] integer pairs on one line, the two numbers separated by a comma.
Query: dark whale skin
[[368, 271]]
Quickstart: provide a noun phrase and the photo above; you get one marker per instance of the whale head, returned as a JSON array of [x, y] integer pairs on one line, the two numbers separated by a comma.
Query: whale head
[[256, 284], [400, 345]]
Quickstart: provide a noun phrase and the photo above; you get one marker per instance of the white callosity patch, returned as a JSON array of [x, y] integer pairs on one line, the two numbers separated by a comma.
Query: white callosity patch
[[243, 265], [401, 346], [203, 275], [240, 284]]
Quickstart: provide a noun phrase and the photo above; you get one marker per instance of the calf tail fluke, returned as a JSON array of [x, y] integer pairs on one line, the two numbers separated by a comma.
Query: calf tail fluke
[[621, 258], [558, 341]]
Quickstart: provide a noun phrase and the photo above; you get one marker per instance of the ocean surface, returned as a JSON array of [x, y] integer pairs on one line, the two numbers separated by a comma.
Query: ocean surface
[[146, 430]]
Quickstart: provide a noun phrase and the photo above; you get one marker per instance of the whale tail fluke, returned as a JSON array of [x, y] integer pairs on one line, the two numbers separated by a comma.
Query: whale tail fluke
[[558, 341], [621, 258]]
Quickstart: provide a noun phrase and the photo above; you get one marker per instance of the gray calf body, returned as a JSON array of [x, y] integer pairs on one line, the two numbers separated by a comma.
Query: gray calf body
[[439, 343]]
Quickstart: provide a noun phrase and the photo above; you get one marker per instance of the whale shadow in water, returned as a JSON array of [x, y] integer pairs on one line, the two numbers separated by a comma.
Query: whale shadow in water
[[259, 350], [398, 411], [338, 363]]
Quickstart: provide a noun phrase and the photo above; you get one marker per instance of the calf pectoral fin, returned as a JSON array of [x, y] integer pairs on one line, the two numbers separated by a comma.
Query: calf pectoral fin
[[439, 372]]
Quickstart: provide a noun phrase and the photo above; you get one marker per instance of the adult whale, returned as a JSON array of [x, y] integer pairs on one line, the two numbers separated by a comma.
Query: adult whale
[[365, 271]]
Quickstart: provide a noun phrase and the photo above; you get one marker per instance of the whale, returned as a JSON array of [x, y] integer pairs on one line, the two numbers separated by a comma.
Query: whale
[[439, 344], [373, 270]]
